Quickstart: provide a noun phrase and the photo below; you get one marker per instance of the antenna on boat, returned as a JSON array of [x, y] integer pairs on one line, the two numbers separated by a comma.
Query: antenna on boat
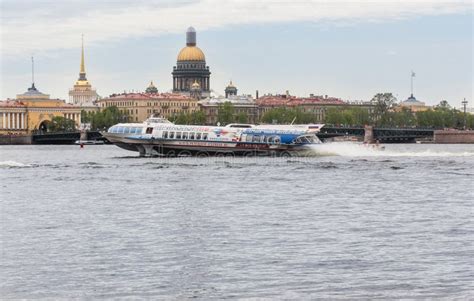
[[293, 121]]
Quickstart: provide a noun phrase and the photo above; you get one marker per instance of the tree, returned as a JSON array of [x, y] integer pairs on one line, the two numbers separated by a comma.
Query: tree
[[241, 118], [225, 113], [444, 105], [384, 102], [106, 118], [196, 118], [61, 124]]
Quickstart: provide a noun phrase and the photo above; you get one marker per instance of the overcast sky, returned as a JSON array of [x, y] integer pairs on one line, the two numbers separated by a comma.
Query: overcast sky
[[346, 49]]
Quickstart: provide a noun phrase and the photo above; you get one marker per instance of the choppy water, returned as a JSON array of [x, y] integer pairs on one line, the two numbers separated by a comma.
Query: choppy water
[[355, 223]]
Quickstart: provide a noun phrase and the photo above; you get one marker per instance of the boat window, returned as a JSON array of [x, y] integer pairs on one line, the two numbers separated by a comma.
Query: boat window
[[126, 130], [178, 135], [171, 135], [119, 129], [277, 140], [248, 138], [191, 136], [185, 135], [165, 134], [270, 139], [112, 129], [149, 130], [204, 136], [198, 136], [256, 139]]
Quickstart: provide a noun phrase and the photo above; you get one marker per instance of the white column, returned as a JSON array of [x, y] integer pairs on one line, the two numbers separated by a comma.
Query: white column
[[4, 120], [23, 120], [13, 120], [8, 120], [18, 120]]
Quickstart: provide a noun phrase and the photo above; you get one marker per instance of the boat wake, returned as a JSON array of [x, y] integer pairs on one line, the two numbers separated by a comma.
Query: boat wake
[[350, 149]]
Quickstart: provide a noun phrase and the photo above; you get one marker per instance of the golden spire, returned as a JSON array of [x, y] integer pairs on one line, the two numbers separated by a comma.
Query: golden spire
[[83, 69]]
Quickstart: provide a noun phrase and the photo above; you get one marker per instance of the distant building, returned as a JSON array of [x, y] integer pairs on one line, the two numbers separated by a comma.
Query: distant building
[[242, 105], [33, 111], [140, 106], [316, 105], [82, 94], [413, 105], [191, 68], [230, 90], [151, 89]]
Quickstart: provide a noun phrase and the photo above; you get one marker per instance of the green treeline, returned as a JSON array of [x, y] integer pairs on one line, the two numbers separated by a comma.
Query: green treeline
[[104, 119]]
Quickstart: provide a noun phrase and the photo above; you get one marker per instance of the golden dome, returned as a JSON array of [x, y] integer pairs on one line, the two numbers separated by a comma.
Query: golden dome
[[82, 83], [191, 53]]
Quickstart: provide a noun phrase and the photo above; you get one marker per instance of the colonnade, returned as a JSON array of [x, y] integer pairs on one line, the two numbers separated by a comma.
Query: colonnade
[[73, 116], [18, 121], [13, 121], [181, 84]]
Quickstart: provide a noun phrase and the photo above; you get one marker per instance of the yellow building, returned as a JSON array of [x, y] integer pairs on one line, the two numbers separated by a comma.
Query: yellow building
[[412, 104], [33, 111], [140, 106]]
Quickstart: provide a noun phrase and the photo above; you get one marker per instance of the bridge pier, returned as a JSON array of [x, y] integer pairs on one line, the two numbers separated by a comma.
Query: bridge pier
[[368, 134]]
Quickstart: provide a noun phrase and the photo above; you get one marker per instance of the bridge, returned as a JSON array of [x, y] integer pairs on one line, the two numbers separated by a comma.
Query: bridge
[[384, 135], [63, 137]]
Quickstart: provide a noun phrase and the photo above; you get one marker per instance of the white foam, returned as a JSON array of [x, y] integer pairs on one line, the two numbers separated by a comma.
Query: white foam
[[13, 164], [351, 149]]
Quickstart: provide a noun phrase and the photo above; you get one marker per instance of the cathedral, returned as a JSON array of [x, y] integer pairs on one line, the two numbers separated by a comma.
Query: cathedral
[[191, 75]]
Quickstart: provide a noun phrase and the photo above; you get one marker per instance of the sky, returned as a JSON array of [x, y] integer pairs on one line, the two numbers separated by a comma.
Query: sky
[[346, 49]]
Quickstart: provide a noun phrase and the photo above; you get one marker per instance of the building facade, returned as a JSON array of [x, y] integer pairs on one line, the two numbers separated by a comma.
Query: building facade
[[82, 94], [243, 105], [318, 105], [32, 111], [140, 106], [191, 67]]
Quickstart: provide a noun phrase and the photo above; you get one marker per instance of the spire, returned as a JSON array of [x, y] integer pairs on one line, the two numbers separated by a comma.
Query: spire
[[33, 88], [32, 71], [82, 72]]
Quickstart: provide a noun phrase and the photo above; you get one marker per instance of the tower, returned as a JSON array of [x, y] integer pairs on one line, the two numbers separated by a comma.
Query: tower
[[151, 88], [191, 67], [230, 90], [82, 93]]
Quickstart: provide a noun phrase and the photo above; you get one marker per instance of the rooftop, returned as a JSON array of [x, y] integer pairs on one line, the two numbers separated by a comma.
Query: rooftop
[[146, 96]]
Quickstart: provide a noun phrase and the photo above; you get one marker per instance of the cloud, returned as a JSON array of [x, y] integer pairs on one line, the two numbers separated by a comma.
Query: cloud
[[30, 26]]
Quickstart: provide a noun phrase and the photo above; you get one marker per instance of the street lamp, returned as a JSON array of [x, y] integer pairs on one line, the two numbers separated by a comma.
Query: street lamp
[[464, 103]]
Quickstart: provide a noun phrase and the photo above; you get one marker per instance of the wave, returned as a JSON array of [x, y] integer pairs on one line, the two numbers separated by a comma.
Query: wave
[[350, 149], [13, 164]]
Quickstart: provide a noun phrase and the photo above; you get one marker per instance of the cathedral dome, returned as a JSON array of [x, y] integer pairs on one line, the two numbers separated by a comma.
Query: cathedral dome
[[191, 53]]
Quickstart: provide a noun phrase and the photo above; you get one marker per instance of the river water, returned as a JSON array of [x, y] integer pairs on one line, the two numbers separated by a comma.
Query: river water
[[349, 223]]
